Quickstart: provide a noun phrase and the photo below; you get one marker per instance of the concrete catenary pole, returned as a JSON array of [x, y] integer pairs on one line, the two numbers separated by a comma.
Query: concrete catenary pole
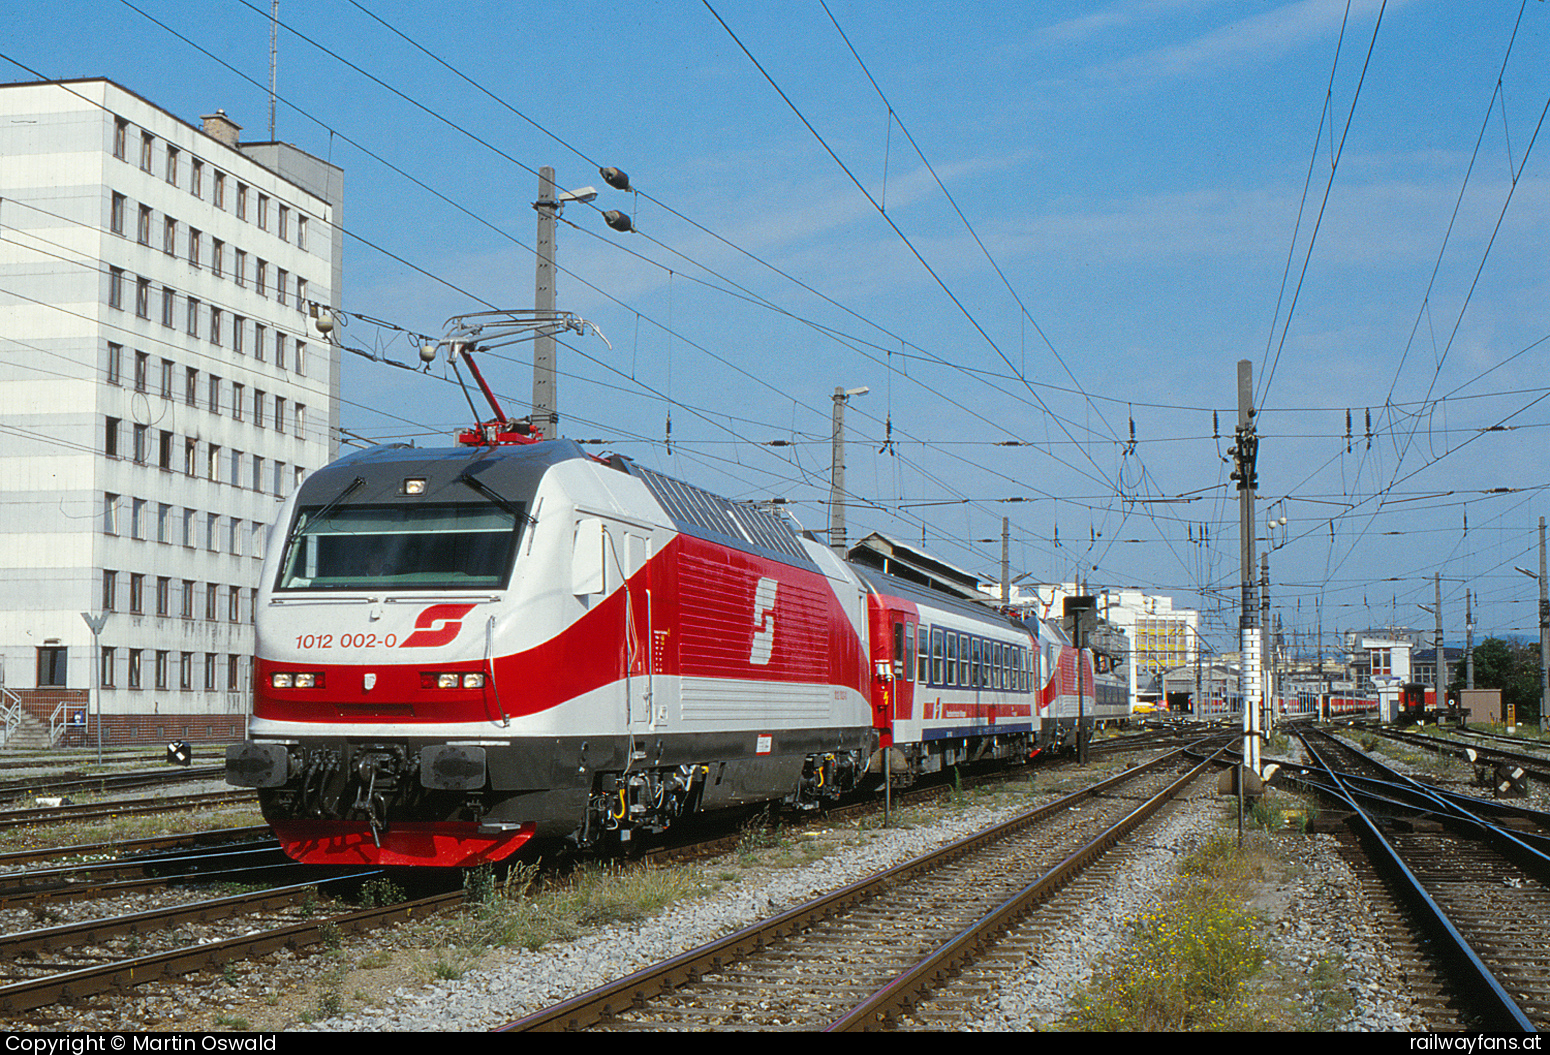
[[546, 415]]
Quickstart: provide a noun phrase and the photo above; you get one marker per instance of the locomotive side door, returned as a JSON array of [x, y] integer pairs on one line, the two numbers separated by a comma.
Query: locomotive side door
[[611, 557]]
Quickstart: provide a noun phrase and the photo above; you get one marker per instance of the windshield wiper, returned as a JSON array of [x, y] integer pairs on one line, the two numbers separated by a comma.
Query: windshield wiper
[[489, 492]]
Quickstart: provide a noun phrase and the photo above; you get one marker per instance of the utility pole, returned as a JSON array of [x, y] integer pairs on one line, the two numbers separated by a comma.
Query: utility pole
[[1469, 643], [1244, 453], [1006, 562], [1544, 632], [1267, 697], [837, 540], [1441, 677], [546, 417]]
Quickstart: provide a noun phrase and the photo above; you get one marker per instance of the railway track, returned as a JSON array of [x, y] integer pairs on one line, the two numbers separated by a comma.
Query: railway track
[[1467, 899], [861, 957]]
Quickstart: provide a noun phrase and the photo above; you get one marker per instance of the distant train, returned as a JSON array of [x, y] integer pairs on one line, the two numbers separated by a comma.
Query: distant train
[[463, 650]]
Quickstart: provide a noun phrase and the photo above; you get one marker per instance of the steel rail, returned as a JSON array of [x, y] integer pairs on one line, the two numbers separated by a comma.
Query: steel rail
[[1501, 1010], [929, 972], [125, 974], [613, 998]]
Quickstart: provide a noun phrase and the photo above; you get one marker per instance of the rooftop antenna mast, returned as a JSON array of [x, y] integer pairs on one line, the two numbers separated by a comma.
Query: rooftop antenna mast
[[274, 59]]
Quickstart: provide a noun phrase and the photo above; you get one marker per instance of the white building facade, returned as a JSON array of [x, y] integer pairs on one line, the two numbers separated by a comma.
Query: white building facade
[[163, 387]]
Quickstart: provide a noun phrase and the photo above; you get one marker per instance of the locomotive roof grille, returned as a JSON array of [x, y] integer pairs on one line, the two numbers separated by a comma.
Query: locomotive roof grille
[[746, 524]]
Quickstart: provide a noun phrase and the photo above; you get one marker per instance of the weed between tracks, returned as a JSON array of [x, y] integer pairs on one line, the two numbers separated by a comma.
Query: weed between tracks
[[1197, 962]]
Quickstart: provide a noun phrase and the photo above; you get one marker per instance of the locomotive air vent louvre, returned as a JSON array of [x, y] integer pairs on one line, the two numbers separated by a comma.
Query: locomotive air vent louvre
[[690, 506]]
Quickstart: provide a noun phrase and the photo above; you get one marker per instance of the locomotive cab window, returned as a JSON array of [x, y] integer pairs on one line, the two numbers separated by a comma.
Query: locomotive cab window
[[433, 547]]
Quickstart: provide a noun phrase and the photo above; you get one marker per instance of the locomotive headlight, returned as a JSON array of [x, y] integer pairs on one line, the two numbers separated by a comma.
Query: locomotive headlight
[[414, 486], [446, 681], [473, 681], [280, 681], [306, 681]]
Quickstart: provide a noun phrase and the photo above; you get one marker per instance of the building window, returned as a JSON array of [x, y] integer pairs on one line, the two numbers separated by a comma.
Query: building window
[[234, 540], [234, 604], [116, 214], [220, 189], [237, 393], [188, 530], [142, 370], [143, 228], [240, 274], [115, 364], [213, 465], [172, 165], [116, 288], [263, 212], [231, 673], [169, 237], [188, 598], [301, 295], [161, 668], [242, 201], [166, 379], [163, 595], [190, 456], [110, 437], [136, 593], [109, 514], [217, 256], [212, 534], [109, 661], [143, 298], [52, 666], [109, 590], [194, 238], [166, 306], [238, 324], [258, 472], [236, 470], [258, 407], [258, 540], [301, 358], [259, 337], [210, 595], [191, 387], [196, 182], [215, 326], [279, 479], [279, 413], [301, 232], [140, 442], [193, 317], [137, 519], [215, 394], [210, 670], [136, 678], [279, 350], [164, 453], [285, 223], [120, 137], [261, 278], [146, 143], [186, 671], [281, 278]]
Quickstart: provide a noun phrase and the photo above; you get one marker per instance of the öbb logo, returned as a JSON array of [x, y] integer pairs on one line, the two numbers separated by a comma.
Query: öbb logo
[[428, 634]]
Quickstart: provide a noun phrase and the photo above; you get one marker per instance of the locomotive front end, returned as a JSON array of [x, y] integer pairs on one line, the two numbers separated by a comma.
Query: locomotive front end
[[376, 707]]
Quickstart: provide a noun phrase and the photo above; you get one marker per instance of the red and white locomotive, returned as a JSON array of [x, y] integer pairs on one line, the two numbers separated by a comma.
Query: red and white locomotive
[[462, 650]]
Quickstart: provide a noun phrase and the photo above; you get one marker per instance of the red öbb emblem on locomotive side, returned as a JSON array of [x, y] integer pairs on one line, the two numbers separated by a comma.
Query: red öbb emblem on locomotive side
[[427, 634]]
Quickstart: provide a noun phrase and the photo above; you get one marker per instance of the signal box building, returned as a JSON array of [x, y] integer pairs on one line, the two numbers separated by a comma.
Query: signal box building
[[164, 387]]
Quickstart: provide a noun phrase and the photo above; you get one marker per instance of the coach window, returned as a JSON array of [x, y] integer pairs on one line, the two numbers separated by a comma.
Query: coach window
[[950, 675], [903, 651], [977, 664], [922, 654], [936, 657]]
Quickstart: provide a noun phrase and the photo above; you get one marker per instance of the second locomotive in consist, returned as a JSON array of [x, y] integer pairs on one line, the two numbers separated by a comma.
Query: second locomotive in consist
[[462, 650]]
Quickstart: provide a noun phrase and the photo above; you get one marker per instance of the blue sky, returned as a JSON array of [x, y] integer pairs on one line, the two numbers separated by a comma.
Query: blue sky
[[1131, 177]]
